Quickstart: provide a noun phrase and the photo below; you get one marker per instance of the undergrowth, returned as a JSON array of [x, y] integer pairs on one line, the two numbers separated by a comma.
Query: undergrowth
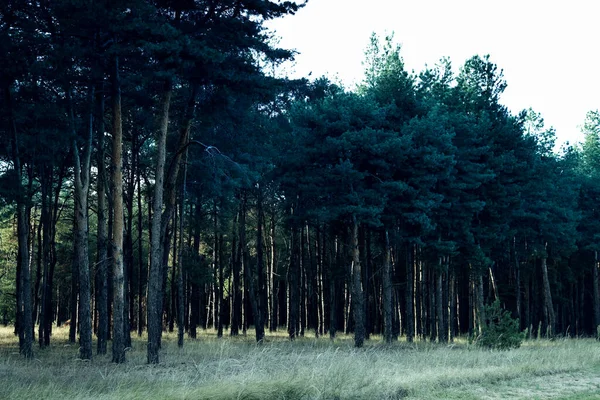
[[308, 368]]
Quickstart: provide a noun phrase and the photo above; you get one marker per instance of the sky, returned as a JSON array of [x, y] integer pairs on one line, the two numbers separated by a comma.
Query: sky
[[548, 50]]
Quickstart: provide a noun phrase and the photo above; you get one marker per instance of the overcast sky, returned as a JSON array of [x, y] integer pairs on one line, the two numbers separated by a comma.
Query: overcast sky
[[549, 50]]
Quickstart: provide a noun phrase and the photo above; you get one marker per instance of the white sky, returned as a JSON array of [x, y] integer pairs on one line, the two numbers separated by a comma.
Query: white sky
[[549, 50]]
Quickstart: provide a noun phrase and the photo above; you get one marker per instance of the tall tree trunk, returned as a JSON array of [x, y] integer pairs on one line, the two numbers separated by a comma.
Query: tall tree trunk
[[410, 293], [272, 271], [44, 256], [155, 280], [82, 180], [118, 348], [442, 334], [195, 298], [596, 292], [26, 323], [548, 305], [24, 310], [169, 194], [357, 289], [332, 291], [293, 284], [479, 301], [236, 295], [128, 283], [387, 291], [518, 283], [102, 234], [74, 294], [180, 287], [140, 231], [258, 305]]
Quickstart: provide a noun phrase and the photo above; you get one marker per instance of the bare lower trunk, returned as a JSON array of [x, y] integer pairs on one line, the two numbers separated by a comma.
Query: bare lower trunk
[[387, 291], [442, 333], [26, 322], [479, 301], [357, 289], [518, 285], [102, 234], [272, 271], [82, 180], [293, 282], [548, 307], [155, 279], [596, 291], [236, 293], [180, 287], [257, 278], [118, 348], [410, 293]]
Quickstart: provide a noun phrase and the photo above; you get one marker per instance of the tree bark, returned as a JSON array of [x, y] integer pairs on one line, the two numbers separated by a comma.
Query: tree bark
[[410, 293], [118, 348], [387, 291], [293, 283], [154, 307], [548, 305], [140, 232], [102, 235], [180, 287], [25, 326], [479, 301], [257, 284], [82, 181], [236, 295], [596, 292], [357, 289]]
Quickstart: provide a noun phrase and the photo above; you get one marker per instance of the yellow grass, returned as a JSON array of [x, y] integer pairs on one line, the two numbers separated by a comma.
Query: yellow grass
[[309, 368]]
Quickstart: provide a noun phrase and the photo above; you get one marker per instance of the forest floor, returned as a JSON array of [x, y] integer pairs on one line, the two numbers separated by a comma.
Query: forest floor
[[308, 368]]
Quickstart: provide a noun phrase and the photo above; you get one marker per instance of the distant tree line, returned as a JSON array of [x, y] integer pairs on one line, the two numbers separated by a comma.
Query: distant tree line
[[154, 175]]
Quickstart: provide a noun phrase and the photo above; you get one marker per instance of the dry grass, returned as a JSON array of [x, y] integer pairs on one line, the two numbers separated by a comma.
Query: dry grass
[[237, 368]]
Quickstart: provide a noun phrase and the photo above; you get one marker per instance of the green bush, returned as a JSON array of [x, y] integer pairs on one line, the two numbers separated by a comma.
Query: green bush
[[501, 331]]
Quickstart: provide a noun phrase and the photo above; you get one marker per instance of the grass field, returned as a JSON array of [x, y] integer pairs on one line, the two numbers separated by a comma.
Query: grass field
[[237, 368]]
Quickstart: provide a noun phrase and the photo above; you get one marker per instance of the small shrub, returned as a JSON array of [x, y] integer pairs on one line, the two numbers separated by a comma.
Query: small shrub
[[501, 331]]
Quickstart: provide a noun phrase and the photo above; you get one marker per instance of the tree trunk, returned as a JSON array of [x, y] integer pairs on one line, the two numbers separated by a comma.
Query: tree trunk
[[236, 293], [293, 283], [357, 289], [258, 305], [453, 306], [180, 287], [195, 300], [44, 257], [518, 285], [155, 280], [442, 333], [142, 272], [26, 323], [410, 293], [548, 305], [118, 348], [479, 301], [74, 292], [82, 180], [24, 310], [332, 291], [273, 299], [102, 234], [387, 291], [596, 292]]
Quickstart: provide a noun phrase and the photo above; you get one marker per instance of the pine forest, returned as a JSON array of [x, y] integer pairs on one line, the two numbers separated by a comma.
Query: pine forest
[[159, 174]]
